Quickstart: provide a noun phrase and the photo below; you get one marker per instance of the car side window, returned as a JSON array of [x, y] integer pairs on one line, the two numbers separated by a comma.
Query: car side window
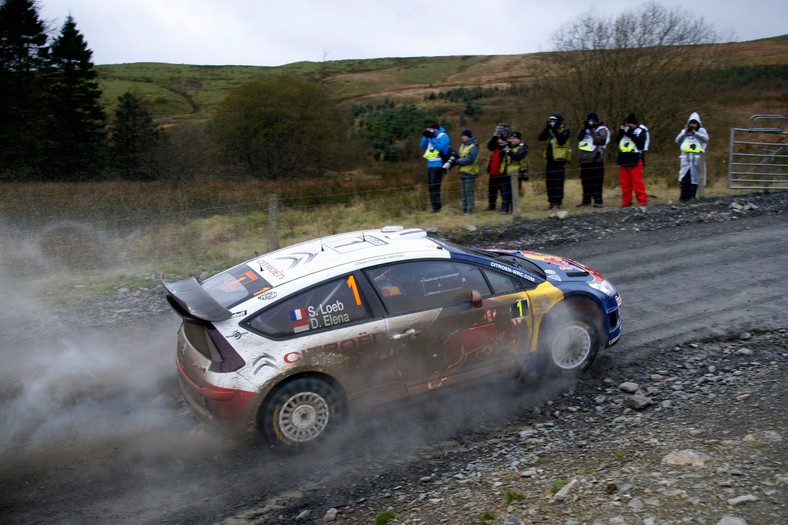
[[326, 306], [502, 283], [420, 285]]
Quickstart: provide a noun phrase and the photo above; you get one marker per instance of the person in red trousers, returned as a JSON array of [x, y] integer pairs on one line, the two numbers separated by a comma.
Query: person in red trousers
[[632, 139]]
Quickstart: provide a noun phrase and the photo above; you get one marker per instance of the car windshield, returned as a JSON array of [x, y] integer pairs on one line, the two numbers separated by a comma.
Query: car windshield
[[506, 258], [236, 285]]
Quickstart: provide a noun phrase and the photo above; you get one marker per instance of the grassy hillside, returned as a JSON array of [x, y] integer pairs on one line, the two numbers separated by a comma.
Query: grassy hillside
[[193, 91]]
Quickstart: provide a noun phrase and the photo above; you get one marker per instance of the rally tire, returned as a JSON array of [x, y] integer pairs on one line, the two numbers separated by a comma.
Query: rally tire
[[569, 342], [301, 412]]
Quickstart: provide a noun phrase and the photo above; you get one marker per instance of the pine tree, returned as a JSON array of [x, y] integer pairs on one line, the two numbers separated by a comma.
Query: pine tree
[[23, 93], [77, 132], [134, 140]]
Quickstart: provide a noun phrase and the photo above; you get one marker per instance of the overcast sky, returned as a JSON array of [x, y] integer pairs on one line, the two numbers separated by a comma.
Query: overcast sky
[[272, 33]]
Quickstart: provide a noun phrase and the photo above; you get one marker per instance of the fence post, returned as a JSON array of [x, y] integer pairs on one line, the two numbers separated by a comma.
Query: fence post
[[515, 184], [273, 222]]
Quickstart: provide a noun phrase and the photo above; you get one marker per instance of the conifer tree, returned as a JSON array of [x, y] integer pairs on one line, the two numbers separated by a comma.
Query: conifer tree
[[134, 140], [76, 136], [23, 57]]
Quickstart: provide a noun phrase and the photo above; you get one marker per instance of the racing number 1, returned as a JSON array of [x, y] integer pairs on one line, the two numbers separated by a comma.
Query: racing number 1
[[351, 283], [519, 308]]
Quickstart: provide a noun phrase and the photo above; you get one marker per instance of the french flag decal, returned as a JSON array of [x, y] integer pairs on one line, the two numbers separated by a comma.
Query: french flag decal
[[300, 320]]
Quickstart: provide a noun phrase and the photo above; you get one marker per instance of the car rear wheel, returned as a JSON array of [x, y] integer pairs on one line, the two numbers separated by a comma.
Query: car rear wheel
[[570, 341], [301, 412]]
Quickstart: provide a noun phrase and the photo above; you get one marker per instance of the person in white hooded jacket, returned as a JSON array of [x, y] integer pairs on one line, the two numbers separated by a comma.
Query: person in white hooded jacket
[[692, 141]]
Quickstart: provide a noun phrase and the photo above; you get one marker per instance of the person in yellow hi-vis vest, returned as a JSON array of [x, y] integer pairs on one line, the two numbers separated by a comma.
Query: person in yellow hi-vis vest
[[557, 155], [468, 170], [516, 153], [632, 139], [692, 141], [591, 142], [435, 142]]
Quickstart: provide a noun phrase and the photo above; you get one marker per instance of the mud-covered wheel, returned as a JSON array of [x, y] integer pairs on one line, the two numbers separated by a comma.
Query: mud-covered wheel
[[301, 412], [570, 341]]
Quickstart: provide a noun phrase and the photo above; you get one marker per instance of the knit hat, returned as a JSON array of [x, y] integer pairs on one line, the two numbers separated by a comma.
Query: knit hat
[[467, 133], [631, 119], [516, 134], [502, 130], [592, 116], [434, 125]]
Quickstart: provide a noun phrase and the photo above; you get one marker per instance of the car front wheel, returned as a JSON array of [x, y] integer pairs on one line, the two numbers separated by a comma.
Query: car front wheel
[[301, 412], [570, 342]]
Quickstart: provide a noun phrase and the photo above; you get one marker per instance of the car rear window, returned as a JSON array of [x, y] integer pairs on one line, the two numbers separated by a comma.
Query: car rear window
[[236, 285]]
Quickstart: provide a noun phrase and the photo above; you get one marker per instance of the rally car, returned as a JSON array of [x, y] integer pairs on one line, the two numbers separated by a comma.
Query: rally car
[[291, 343]]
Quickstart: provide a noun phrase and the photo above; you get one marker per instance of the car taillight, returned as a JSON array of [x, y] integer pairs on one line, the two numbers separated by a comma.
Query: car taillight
[[231, 361]]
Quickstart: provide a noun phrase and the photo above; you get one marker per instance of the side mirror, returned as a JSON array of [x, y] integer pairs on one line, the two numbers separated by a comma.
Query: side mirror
[[476, 298]]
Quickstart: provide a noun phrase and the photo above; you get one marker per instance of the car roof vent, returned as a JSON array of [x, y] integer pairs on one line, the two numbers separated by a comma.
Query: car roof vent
[[394, 232]]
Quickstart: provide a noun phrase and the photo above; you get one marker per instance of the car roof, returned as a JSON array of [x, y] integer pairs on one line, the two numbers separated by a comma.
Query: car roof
[[352, 249]]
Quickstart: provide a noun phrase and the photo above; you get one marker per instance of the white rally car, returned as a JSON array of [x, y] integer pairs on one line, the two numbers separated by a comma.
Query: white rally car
[[292, 342]]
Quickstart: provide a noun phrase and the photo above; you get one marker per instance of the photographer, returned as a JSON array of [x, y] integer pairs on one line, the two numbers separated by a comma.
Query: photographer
[[516, 166], [496, 168], [591, 142], [435, 143], [632, 139], [557, 155], [692, 141]]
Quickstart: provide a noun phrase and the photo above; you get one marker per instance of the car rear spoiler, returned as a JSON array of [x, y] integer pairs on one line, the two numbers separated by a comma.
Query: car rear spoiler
[[190, 300]]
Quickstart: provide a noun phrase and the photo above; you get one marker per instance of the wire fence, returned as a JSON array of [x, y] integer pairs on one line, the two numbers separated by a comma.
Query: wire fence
[[207, 233]]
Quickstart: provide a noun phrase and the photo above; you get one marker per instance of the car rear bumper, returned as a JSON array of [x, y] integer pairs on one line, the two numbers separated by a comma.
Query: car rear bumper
[[228, 406]]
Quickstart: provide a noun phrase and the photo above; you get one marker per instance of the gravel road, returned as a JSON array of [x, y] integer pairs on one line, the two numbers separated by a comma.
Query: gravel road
[[682, 422]]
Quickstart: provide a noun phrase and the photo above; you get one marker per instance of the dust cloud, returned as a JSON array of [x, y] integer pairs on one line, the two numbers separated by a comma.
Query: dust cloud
[[62, 382], [85, 404], [99, 407]]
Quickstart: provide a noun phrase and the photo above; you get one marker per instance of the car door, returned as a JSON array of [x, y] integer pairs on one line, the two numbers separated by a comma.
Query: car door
[[445, 323], [333, 328]]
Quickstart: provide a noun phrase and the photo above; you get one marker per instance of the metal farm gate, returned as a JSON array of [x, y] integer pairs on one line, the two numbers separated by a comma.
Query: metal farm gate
[[758, 155]]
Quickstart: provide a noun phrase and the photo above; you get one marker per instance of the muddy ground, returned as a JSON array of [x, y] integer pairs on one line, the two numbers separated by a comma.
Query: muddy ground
[[682, 422]]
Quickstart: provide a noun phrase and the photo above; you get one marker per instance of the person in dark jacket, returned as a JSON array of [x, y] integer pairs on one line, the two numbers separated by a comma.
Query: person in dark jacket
[[632, 139], [591, 143], [499, 180], [557, 154], [516, 152]]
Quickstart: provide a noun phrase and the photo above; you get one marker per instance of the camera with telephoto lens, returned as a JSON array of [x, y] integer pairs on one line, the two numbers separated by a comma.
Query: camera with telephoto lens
[[450, 159], [523, 174]]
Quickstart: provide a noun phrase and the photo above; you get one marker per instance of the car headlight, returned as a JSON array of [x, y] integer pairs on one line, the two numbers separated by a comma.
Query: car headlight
[[604, 286]]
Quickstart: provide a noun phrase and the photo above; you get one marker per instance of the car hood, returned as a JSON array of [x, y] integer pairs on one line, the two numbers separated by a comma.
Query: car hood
[[557, 268]]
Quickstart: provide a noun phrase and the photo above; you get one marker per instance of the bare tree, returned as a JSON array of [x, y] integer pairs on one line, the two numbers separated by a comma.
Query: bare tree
[[649, 60]]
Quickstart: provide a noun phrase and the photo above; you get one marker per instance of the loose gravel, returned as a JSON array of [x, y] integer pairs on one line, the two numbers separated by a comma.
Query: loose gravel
[[695, 435]]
